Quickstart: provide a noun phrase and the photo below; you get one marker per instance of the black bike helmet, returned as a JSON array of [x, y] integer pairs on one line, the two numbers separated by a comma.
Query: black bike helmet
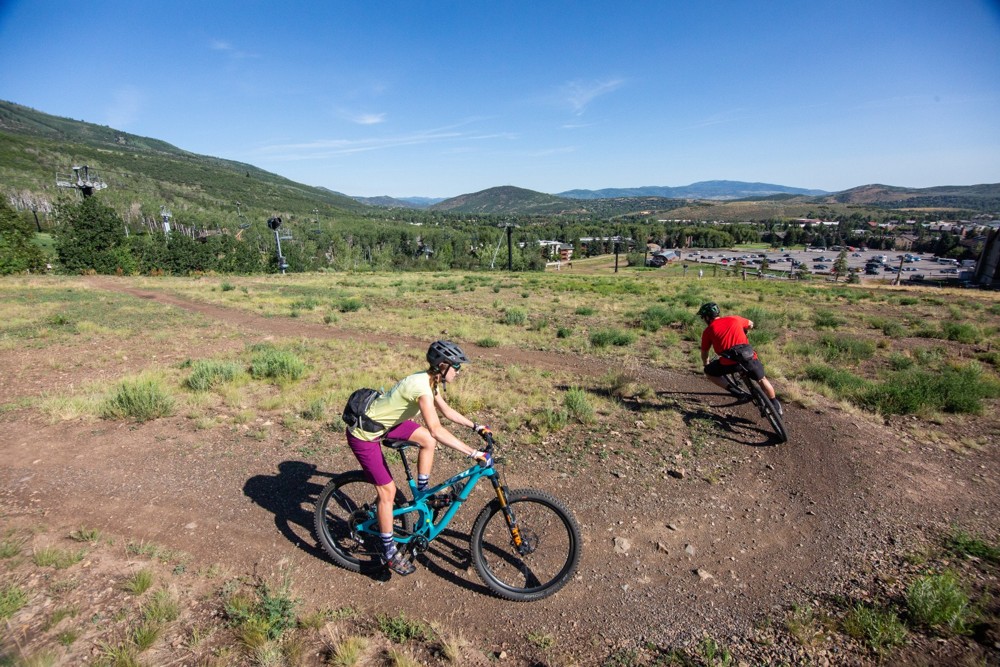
[[444, 351], [708, 311]]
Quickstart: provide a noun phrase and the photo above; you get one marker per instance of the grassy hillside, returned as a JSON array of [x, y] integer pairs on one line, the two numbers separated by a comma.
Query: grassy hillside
[[34, 147]]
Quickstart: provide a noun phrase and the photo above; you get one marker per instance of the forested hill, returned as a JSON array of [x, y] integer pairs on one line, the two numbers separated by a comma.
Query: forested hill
[[510, 199], [985, 197], [34, 146]]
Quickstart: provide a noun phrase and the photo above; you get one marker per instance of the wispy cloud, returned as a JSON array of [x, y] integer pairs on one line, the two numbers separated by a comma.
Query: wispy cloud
[[125, 106], [579, 94], [720, 118], [324, 148], [226, 47], [366, 118]]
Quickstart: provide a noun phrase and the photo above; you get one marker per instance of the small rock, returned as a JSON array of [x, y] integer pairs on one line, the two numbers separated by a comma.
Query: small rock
[[622, 545], [704, 575], [502, 655], [690, 550], [672, 526], [677, 473], [660, 546]]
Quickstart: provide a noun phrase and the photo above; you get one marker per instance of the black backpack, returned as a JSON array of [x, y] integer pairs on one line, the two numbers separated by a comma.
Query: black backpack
[[355, 412]]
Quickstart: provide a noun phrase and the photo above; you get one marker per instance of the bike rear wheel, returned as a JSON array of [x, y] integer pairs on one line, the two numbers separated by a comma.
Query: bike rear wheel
[[551, 549], [346, 500], [766, 408]]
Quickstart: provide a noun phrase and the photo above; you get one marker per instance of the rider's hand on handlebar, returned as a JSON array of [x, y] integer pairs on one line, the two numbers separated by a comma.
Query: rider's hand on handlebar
[[484, 458], [482, 430]]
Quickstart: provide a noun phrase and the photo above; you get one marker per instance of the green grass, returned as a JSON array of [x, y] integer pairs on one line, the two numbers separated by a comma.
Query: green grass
[[959, 390], [400, 629], [348, 651], [161, 607], [577, 404], [58, 558], [140, 399], [844, 383], [12, 598], [139, 582], [11, 545], [965, 545], [616, 337], [261, 615], [86, 535], [837, 348], [269, 363], [939, 602], [206, 374], [878, 629]]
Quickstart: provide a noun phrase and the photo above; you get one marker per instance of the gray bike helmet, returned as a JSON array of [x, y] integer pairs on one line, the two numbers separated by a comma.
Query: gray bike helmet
[[444, 351], [708, 311]]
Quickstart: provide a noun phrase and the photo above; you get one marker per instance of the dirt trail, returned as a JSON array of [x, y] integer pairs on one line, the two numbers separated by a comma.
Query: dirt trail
[[783, 524]]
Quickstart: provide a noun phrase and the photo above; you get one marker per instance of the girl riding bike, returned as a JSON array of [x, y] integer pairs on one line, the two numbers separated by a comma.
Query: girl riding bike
[[391, 415], [727, 336]]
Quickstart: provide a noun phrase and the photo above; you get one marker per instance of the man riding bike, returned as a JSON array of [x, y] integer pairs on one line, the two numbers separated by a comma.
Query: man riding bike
[[727, 336], [392, 415]]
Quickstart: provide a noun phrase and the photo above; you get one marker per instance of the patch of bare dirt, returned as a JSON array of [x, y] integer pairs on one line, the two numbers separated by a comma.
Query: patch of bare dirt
[[675, 549]]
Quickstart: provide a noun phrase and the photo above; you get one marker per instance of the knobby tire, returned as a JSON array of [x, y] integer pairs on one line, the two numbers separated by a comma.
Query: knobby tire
[[550, 531], [339, 499], [761, 400]]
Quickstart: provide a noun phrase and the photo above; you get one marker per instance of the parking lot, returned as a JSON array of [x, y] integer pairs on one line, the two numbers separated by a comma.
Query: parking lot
[[820, 262]]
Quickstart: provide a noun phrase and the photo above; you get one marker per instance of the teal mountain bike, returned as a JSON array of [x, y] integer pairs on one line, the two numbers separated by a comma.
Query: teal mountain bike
[[525, 544]]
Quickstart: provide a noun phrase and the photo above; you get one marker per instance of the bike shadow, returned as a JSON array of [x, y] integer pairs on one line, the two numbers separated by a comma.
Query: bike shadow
[[448, 556], [735, 429], [290, 496]]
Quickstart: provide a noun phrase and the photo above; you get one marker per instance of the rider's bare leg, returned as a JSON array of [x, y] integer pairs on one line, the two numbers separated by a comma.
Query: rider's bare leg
[[386, 497], [766, 386], [425, 457]]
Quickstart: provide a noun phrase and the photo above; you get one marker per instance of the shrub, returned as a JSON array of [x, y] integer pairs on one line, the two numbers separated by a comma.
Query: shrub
[[890, 327], [826, 319], [206, 374], [515, 316], [350, 305], [488, 342], [605, 337], [274, 364], [564, 332], [953, 389], [577, 403], [585, 310], [141, 400], [841, 381], [960, 332], [939, 602], [655, 317], [845, 348]]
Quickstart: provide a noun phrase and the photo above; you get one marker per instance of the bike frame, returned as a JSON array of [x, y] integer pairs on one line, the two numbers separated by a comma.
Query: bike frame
[[428, 529]]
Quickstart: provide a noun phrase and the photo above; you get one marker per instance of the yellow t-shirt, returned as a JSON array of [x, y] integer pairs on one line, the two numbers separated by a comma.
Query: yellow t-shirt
[[396, 405]]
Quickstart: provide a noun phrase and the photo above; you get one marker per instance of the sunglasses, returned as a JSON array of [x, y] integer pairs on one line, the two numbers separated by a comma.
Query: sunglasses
[[457, 367]]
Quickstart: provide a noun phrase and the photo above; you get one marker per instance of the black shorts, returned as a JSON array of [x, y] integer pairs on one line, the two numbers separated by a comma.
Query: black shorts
[[717, 369]]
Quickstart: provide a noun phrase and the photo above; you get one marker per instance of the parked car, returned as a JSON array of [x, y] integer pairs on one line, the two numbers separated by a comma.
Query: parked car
[[821, 267], [871, 270], [949, 270]]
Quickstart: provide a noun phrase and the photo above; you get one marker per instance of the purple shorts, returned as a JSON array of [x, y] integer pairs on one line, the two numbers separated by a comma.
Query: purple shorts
[[369, 452]]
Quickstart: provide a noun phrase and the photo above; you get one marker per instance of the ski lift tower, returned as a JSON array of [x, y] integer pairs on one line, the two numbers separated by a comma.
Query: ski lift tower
[[165, 216], [273, 224], [83, 179]]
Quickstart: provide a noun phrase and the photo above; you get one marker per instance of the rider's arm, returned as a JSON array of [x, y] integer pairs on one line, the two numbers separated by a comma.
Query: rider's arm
[[437, 429], [451, 414]]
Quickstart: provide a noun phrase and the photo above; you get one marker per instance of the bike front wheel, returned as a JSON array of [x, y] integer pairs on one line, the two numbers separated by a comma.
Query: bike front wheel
[[767, 409], [547, 558], [347, 500]]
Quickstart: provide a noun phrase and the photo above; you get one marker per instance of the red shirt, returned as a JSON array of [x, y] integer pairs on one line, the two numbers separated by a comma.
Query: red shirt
[[723, 333]]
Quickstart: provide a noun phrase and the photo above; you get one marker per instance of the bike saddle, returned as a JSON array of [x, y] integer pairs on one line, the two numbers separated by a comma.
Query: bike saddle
[[399, 444]]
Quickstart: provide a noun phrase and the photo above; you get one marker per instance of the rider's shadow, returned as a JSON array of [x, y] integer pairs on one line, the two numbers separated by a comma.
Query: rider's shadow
[[733, 428], [290, 495]]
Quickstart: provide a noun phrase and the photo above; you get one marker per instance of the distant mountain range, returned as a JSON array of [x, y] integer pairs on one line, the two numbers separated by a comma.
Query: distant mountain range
[[717, 190], [34, 145]]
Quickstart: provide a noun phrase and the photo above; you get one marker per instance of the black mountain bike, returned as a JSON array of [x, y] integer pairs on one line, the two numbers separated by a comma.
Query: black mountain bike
[[525, 544], [759, 399]]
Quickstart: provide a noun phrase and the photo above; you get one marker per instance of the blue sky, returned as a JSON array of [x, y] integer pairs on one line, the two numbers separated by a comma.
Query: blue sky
[[444, 98]]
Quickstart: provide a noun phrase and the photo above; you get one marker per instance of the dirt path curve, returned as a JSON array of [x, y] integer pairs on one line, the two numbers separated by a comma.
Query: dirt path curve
[[785, 525]]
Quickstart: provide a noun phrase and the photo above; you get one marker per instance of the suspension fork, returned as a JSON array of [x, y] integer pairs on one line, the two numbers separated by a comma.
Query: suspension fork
[[508, 515]]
